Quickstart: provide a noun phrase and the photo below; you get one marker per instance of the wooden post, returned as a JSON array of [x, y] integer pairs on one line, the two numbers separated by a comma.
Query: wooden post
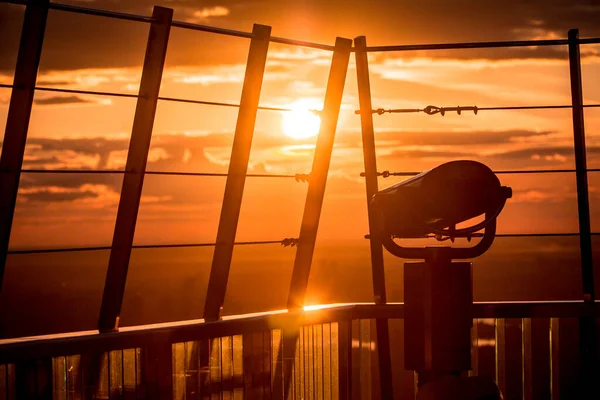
[[133, 181], [236, 177], [318, 175], [370, 162], [587, 325], [19, 113]]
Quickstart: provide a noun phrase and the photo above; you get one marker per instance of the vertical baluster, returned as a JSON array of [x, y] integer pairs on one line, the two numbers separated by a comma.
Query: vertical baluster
[[17, 121], [140, 387], [310, 362], [554, 359], [266, 360], [540, 358], [526, 360], [115, 359], [227, 367], [501, 354], [192, 383], [336, 366], [278, 373], [59, 378], [238, 368], [345, 359], [513, 357], [249, 367], [11, 382], [215, 368], [178, 371], [356, 381], [91, 374], [365, 358], [570, 360], [129, 374], [204, 367], [375, 365], [301, 388], [474, 348], [327, 346], [34, 379], [74, 378], [158, 368], [3, 382], [319, 370]]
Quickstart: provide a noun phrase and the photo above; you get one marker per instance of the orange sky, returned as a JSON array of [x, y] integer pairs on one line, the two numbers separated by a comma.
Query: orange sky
[[92, 132]]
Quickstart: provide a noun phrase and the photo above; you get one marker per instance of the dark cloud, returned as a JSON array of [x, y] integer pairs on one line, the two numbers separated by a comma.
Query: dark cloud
[[456, 138], [60, 100], [47, 195], [79, 41], [43, 82]]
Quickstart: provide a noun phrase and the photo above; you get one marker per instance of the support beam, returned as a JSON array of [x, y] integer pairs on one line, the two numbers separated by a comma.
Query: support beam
[[587, 326], [133, 181], [370, 162], [318, 175], [19, 113], [236, 177]]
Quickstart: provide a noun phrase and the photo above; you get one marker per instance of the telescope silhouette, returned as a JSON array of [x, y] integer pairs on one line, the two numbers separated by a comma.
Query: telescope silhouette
[[438, 293]]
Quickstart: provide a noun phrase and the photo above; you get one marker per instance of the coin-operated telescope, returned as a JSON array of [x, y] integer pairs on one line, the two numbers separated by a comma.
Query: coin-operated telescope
[[438, 293]]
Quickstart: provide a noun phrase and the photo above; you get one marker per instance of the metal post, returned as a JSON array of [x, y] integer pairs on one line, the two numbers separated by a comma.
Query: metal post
[[587, 326], [17, 123], [318, 175], [133, 181], [370, 161], [238, 166]]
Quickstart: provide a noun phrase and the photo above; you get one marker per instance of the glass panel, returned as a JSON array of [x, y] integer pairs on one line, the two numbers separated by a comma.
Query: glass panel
[[271, 209], [206, 73], [4, 102], [259, 279], [179, 209], [341, 268], [65, 210], [12, 25], [503, 140], [592, 136], [118, 45], [52, 293], [79, 131], [515, 269], [165, 285]]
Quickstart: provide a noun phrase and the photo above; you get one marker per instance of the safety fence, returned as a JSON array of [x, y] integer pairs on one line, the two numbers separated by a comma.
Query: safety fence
[[169, 357]]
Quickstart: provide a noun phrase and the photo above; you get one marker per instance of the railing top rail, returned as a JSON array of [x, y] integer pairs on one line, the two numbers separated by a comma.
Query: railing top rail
[[176, 24], [479, 45], [13, 350]]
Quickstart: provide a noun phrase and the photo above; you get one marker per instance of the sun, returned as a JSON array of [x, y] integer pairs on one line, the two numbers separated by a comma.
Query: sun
[[301, 122]]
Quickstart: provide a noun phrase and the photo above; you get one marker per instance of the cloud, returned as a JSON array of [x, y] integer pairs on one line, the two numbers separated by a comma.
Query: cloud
[[61, 100], [58, 193], [456, 138], [209, 12]]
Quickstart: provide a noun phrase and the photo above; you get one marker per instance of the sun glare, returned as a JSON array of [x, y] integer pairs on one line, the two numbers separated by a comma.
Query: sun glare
[[301, 123]]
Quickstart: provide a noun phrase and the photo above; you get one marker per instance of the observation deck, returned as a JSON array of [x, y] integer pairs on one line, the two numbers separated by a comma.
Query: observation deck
[[339, 351]]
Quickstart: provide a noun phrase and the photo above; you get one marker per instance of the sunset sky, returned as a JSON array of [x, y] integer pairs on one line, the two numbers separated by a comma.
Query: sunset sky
[[91, 132]]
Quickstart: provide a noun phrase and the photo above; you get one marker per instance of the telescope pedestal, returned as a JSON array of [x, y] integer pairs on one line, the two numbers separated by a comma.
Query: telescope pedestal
[[438, 297]]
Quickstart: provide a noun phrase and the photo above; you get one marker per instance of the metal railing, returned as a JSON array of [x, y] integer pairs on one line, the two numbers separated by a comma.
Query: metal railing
[[161, 23], [527, 347], [276, 355], [587, 341]]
